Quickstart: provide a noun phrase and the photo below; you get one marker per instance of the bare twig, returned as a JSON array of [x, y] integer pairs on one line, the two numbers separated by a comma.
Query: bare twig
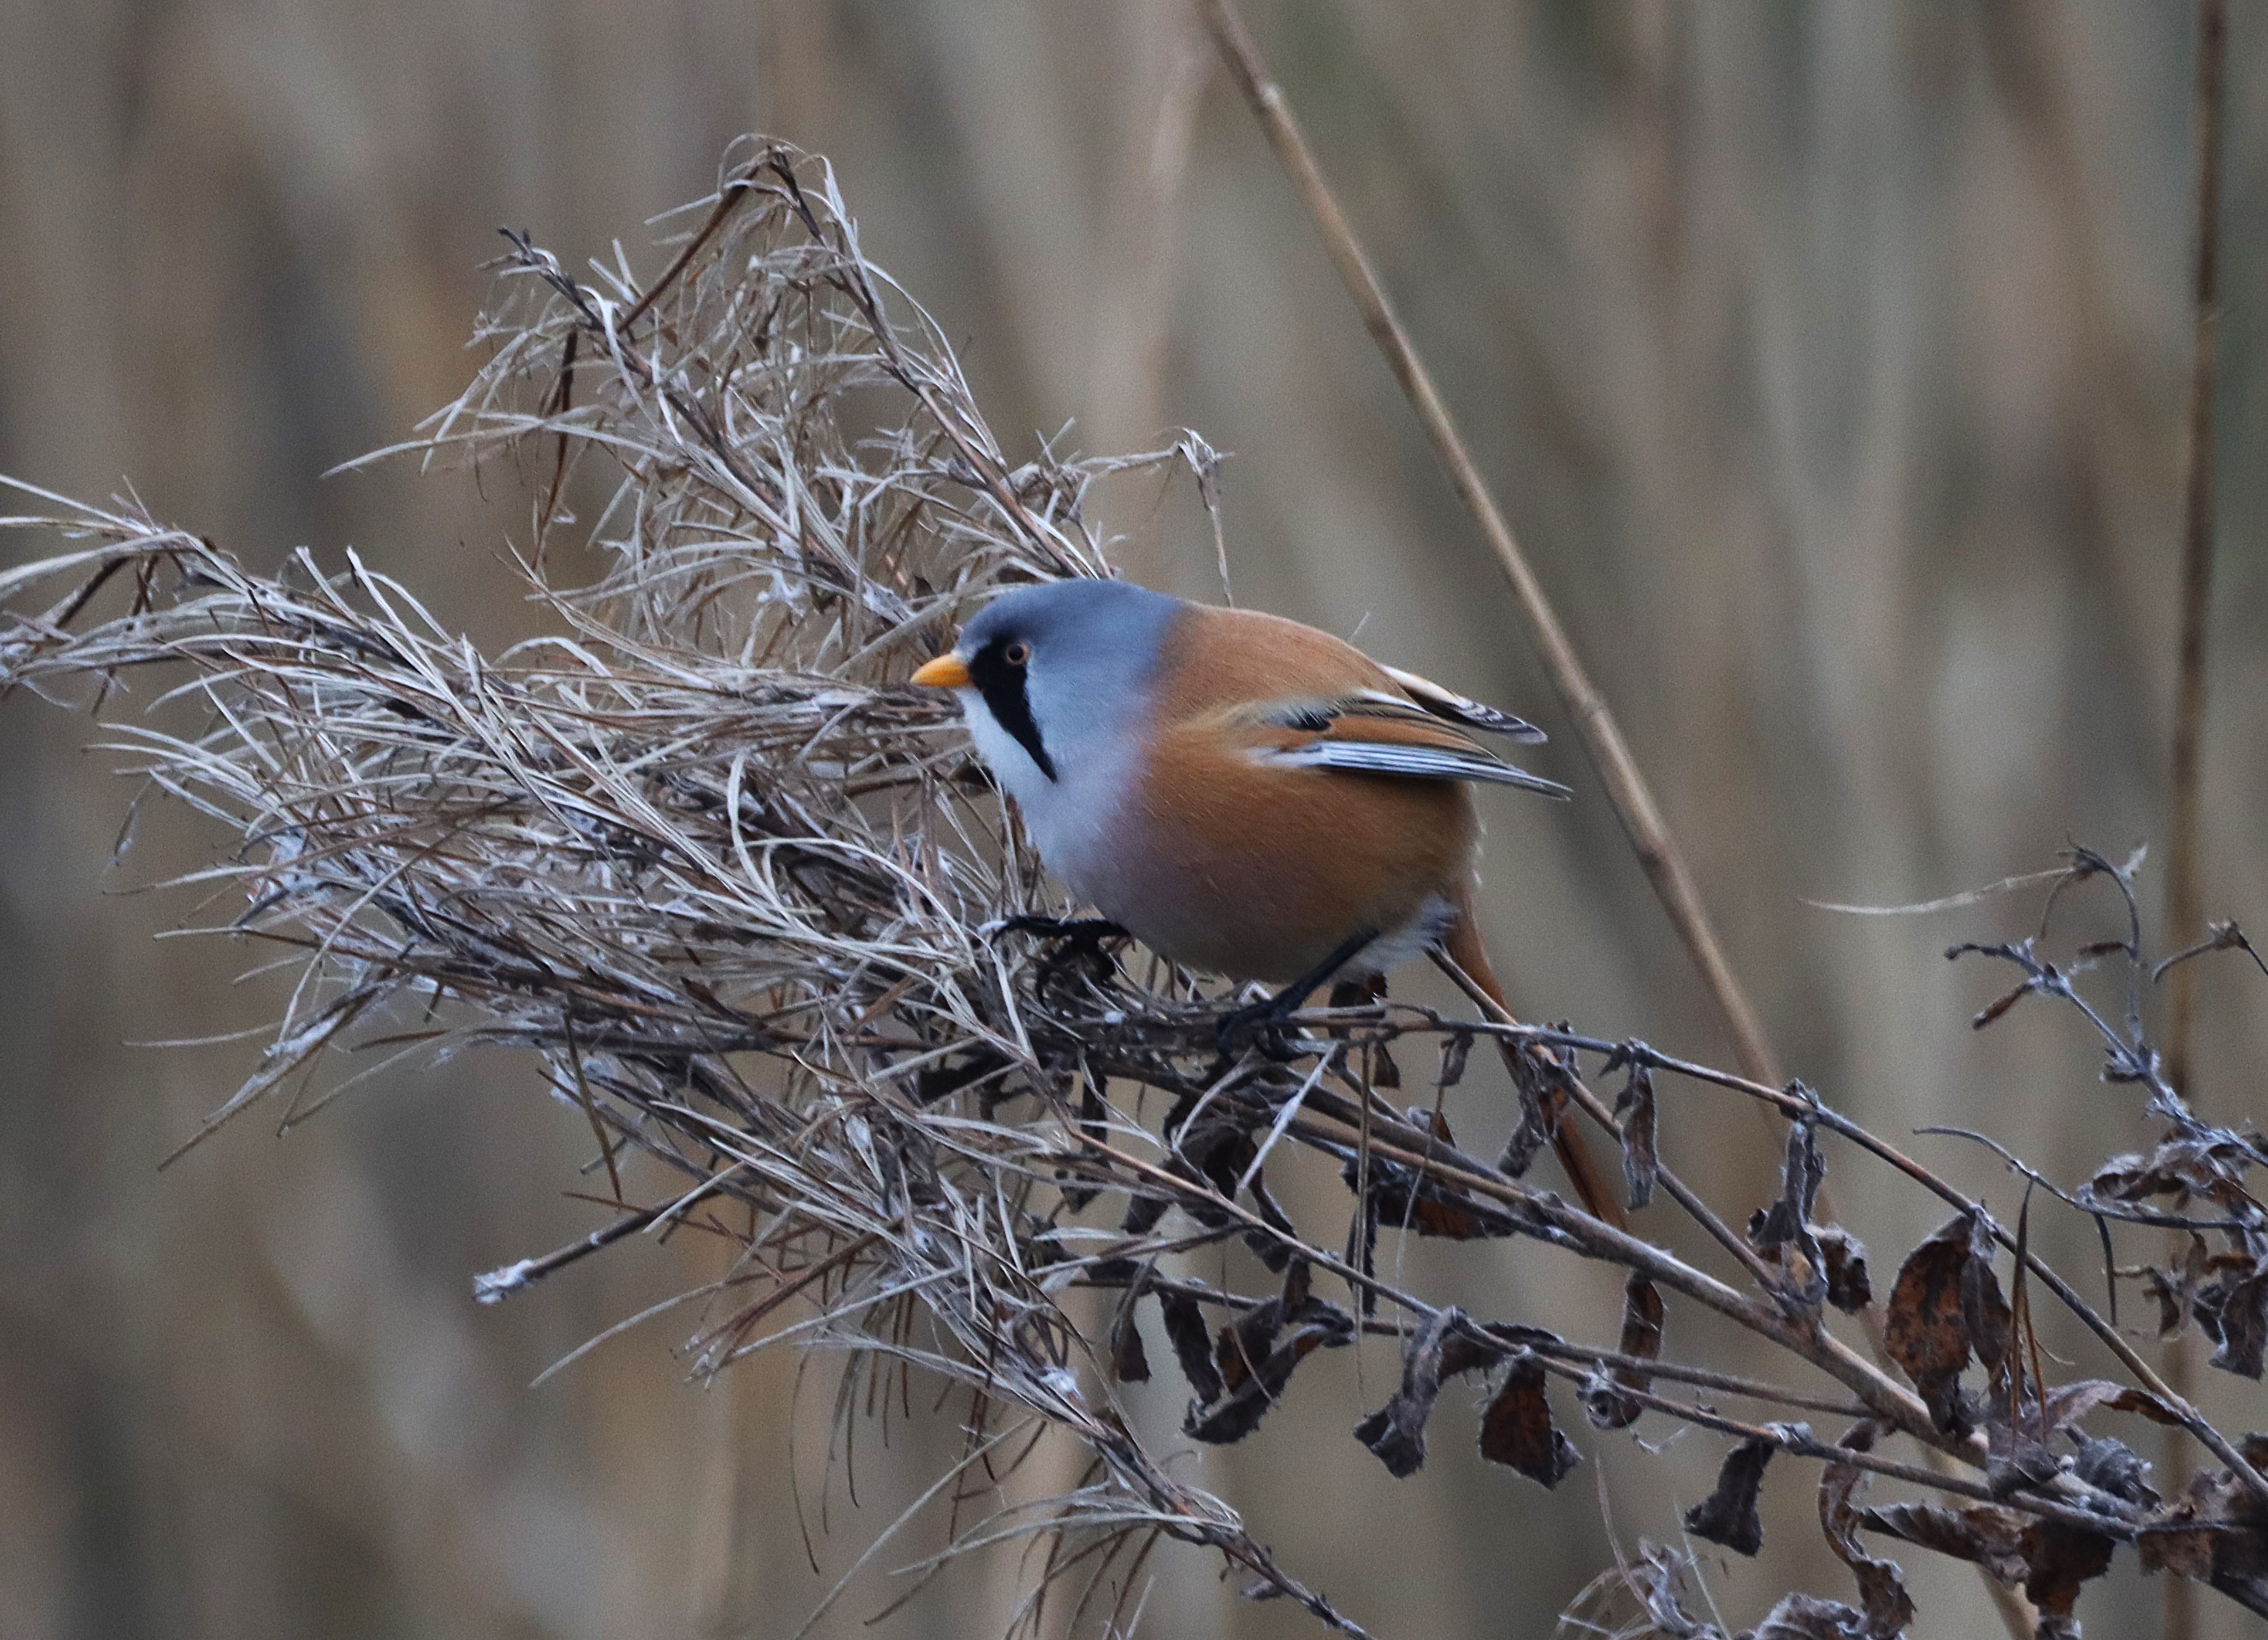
[[2185, 894], [2184, 872], [1657, 850], [745, 897]]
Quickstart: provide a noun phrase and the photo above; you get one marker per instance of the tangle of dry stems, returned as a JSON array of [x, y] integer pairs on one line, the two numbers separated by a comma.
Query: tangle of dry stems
[[741, 890]]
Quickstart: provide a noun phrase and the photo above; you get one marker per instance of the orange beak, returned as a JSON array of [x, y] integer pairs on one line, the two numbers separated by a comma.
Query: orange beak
[[947, 671]]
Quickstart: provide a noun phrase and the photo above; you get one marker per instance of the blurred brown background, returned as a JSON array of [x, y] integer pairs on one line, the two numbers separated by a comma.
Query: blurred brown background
[[1830, 359]]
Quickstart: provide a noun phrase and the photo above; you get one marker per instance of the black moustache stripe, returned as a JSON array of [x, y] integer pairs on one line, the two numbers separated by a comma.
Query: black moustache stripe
[[1002, 686]]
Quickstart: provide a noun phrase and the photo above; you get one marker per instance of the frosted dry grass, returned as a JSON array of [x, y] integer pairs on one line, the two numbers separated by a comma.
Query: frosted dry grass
[[742, 890], [703, 850]]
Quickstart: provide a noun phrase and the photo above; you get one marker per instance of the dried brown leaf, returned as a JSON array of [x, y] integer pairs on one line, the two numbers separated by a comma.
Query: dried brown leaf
[[1254, 1355], [1808, 1617], [1517, 1428], [1634, 1109], [2175, 1286], [1444, 1347], [2210, 1164], [2062, 1558], [1642, 1314], [1985, 1534], [1729, 1514], [1945, 1305], [1129, 1360], [1541, 1082], [1887, 1608], [2233, 1557], [1786, 1223], [1427, 1208], [1456, 1052], [2233, 1309], [1192, 1340], [1850, 1288]]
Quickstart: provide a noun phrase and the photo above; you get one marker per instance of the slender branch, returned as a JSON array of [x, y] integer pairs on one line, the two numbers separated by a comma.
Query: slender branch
[[2184, 908], [1657, 850], [2095, 1210], [734, 191], [1674, 1188], [1884, 1398], [1833, 1121], [2185, 896], [2191, 1419], [1798, 1443], [498, 1285], [1702, 1377]]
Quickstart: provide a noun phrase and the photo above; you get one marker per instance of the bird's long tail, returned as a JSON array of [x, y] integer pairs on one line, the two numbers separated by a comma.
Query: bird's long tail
[[1463, 947]]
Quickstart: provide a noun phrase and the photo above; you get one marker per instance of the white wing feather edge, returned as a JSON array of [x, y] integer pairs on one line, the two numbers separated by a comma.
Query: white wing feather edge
[[1458, 708], [1423, 763]]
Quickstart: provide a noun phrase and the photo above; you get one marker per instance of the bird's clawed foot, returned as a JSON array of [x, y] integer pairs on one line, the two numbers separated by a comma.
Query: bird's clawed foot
[[1262, 1023], [1082, 942], [1369, 993], [1262, 1026]]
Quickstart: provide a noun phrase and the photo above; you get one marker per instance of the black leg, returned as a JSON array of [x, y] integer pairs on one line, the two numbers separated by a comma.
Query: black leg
[[1082, 940], [1358, 993], [1241, 1025], [1064, 928], [1384, 1073]]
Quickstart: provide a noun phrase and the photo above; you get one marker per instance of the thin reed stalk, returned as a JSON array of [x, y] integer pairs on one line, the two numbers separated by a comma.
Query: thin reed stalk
[[740, 894], [1657, 849], [2185, 869]]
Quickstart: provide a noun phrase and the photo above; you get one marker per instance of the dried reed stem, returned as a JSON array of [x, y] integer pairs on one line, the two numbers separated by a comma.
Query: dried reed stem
[[2185, 876], [742, 891], [1650, 837], [2185, 870]]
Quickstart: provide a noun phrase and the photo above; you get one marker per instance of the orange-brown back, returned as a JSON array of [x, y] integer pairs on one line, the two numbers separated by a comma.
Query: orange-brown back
[[1260, 870]]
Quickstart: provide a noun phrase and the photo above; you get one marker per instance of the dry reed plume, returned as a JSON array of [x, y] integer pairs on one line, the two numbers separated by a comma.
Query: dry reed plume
[[742, 892]]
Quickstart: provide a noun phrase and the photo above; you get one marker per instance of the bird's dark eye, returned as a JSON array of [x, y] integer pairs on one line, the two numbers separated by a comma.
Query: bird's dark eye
[[1003, 678]]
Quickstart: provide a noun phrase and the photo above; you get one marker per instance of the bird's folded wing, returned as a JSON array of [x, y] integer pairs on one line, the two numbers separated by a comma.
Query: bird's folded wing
[[1375, 733], [1447, 703]]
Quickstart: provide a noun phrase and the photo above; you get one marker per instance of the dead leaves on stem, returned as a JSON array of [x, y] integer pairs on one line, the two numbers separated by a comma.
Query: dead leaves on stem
[[728, 875]]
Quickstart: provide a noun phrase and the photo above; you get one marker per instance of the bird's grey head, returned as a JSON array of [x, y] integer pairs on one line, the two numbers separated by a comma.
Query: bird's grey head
[[1062, 671]]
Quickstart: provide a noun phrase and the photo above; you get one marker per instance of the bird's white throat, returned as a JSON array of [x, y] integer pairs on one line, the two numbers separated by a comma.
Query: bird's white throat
[[1067, 817]]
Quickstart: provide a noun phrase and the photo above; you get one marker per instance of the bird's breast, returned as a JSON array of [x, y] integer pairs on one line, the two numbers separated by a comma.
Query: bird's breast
[[1259, 871], [1069, 817]]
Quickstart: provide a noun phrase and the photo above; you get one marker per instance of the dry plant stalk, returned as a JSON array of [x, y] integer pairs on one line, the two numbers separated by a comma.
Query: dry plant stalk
[[739, 890], [2185, 871], [1651, 840], [2185, 910]]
